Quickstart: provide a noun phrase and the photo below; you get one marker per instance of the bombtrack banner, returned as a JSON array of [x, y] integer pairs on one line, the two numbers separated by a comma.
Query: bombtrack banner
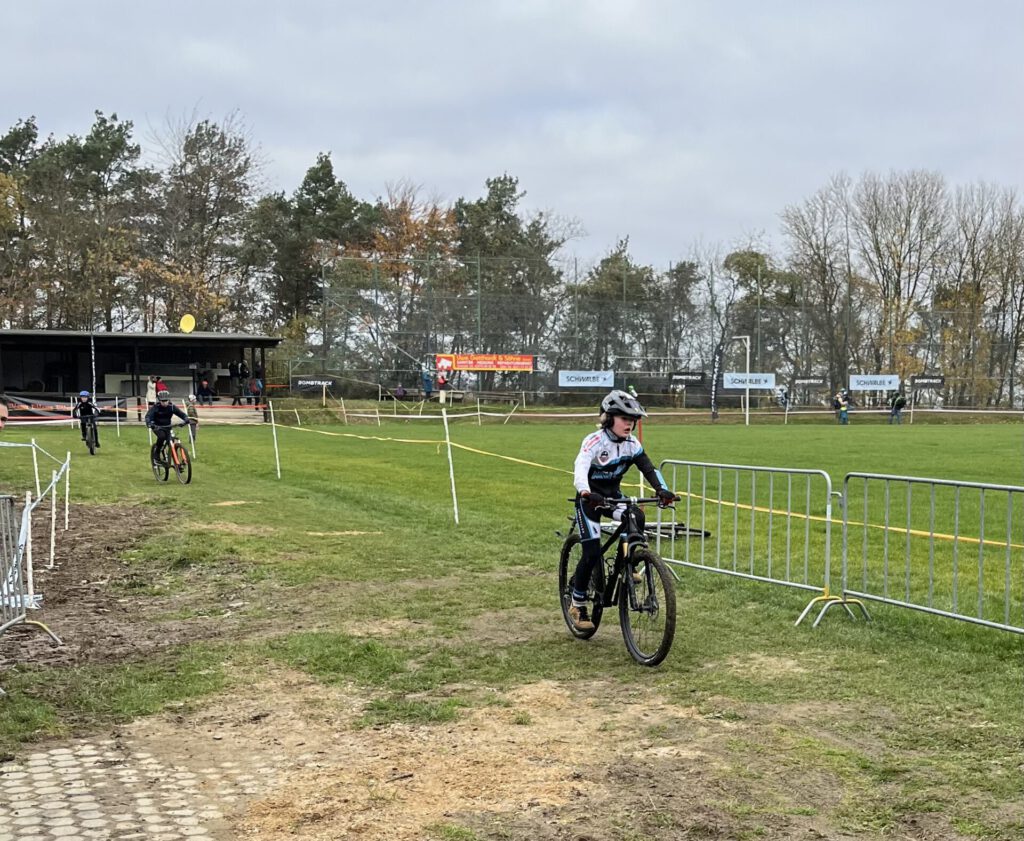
[[483, 362], [314, 382]]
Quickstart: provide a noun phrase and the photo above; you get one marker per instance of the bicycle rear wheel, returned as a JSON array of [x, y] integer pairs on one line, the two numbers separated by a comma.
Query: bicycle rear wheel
[[572, 550], [648, 629], [183, 465]]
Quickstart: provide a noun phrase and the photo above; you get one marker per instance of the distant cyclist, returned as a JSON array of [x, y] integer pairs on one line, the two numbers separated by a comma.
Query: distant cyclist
[[604, 457], [84, 410], [159, 418]]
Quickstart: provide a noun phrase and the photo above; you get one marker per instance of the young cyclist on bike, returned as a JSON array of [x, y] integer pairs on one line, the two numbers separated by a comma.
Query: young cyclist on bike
[[604, 457], [159, 418], [84, 409]]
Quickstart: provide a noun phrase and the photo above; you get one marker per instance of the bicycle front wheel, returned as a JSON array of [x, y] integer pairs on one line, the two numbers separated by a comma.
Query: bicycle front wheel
[[183, 465], [90, 438], [647, 608], [570, 557], [160, 469]]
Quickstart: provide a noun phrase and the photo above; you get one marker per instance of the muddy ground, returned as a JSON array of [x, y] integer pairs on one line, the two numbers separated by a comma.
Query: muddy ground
[[583, 762]]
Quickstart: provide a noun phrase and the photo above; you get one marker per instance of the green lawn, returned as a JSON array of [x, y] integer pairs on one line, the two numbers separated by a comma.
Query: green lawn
[[913, 714]]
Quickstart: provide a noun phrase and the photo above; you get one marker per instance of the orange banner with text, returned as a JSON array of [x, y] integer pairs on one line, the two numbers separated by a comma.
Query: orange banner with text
[[483, 362]]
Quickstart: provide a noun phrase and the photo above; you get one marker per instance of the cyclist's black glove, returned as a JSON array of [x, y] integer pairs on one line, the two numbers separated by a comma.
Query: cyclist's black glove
[[665, 497], [594, 499]]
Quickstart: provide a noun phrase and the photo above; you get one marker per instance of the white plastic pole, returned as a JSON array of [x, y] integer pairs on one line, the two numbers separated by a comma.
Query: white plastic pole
[[53, 515], [67, 488], [27, 524], [451, 466], [479, 417], [516, 406], [117, 413], [344, 414], [298, 421], [377, 409], [273, 427], [35, 466], [192, 438], [323, 396]]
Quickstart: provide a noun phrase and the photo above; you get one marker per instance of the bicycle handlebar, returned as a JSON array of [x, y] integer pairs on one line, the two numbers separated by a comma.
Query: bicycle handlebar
[[170, 425], [623, 500]]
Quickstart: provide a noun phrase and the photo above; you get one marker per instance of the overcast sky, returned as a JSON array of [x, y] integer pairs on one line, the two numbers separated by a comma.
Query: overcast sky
[[671, 122]]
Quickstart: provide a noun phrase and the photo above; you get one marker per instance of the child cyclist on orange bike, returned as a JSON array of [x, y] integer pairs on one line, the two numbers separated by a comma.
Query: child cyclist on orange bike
[[604, 457], [159, 418]]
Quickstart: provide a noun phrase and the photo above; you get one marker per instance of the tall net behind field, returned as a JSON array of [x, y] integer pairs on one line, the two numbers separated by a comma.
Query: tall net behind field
[[382, 322]]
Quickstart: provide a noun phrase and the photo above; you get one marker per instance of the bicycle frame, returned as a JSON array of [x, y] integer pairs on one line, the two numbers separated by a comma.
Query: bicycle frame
[[629, 537]]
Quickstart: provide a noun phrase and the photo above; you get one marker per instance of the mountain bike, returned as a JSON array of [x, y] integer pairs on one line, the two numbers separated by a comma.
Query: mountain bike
[[90, 434], [636, 579], [173, 455]]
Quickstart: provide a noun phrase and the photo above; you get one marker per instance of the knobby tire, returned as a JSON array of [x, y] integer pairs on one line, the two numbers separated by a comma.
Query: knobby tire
[[571, 552], [183, 465], [648, 631]]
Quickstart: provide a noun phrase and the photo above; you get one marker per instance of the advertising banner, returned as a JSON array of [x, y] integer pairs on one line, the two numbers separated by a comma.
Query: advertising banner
[[586, 379], [927, 381], [818, 382], [313, 382], [741, 380], [688, 377], [483, 362], [874, 382]]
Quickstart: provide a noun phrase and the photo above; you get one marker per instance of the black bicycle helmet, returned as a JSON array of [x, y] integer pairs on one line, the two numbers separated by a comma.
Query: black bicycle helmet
[[619, 402], [163, 394]]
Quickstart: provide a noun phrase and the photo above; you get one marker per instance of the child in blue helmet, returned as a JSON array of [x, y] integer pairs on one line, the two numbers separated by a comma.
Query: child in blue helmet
[[84, 409]]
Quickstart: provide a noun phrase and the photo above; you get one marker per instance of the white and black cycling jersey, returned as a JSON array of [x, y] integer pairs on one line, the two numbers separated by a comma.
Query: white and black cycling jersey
[[603, 459]]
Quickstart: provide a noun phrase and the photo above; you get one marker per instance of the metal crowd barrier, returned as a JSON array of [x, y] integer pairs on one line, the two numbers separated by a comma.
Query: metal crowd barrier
[[16, 595], [949, 548], [768, 524], [12, 585]]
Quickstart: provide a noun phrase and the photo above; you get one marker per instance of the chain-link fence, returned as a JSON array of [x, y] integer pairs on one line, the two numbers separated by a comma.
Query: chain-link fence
[[383, 321]]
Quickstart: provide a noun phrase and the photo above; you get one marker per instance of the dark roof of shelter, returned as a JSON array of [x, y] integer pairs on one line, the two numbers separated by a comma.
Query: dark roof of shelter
[[54, 336]]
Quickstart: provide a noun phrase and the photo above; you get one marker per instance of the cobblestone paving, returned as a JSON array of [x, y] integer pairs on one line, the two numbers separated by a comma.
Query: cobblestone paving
[[106, 791]]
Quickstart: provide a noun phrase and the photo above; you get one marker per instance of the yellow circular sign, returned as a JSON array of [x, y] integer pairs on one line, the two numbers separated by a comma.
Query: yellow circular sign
[[188, 323]]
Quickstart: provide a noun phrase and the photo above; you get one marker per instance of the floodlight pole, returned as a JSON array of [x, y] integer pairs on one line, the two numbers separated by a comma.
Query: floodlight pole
[[746, 381]]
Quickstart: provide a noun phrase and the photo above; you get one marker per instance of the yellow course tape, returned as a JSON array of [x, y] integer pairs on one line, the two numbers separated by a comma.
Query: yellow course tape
[[362, 437], [819, 519], [756, 508]]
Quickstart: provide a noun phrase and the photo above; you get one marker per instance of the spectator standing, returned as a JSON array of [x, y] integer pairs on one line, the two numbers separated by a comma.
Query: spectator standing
[[193, 415], [255, 392], [233, 374], [843, 404], [151, 391], [243, 371], [428, 384], [896, 404]]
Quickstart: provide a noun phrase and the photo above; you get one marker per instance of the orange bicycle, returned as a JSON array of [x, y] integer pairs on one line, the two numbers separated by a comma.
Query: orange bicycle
[[173, 455]]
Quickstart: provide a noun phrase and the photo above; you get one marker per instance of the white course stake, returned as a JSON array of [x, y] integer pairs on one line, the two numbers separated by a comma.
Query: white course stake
[[53, 516], [67, 489], [273, 427], [35, 467], [451, 466]]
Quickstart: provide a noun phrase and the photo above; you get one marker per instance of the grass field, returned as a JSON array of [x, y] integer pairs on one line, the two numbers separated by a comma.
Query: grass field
[[350, 572]]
